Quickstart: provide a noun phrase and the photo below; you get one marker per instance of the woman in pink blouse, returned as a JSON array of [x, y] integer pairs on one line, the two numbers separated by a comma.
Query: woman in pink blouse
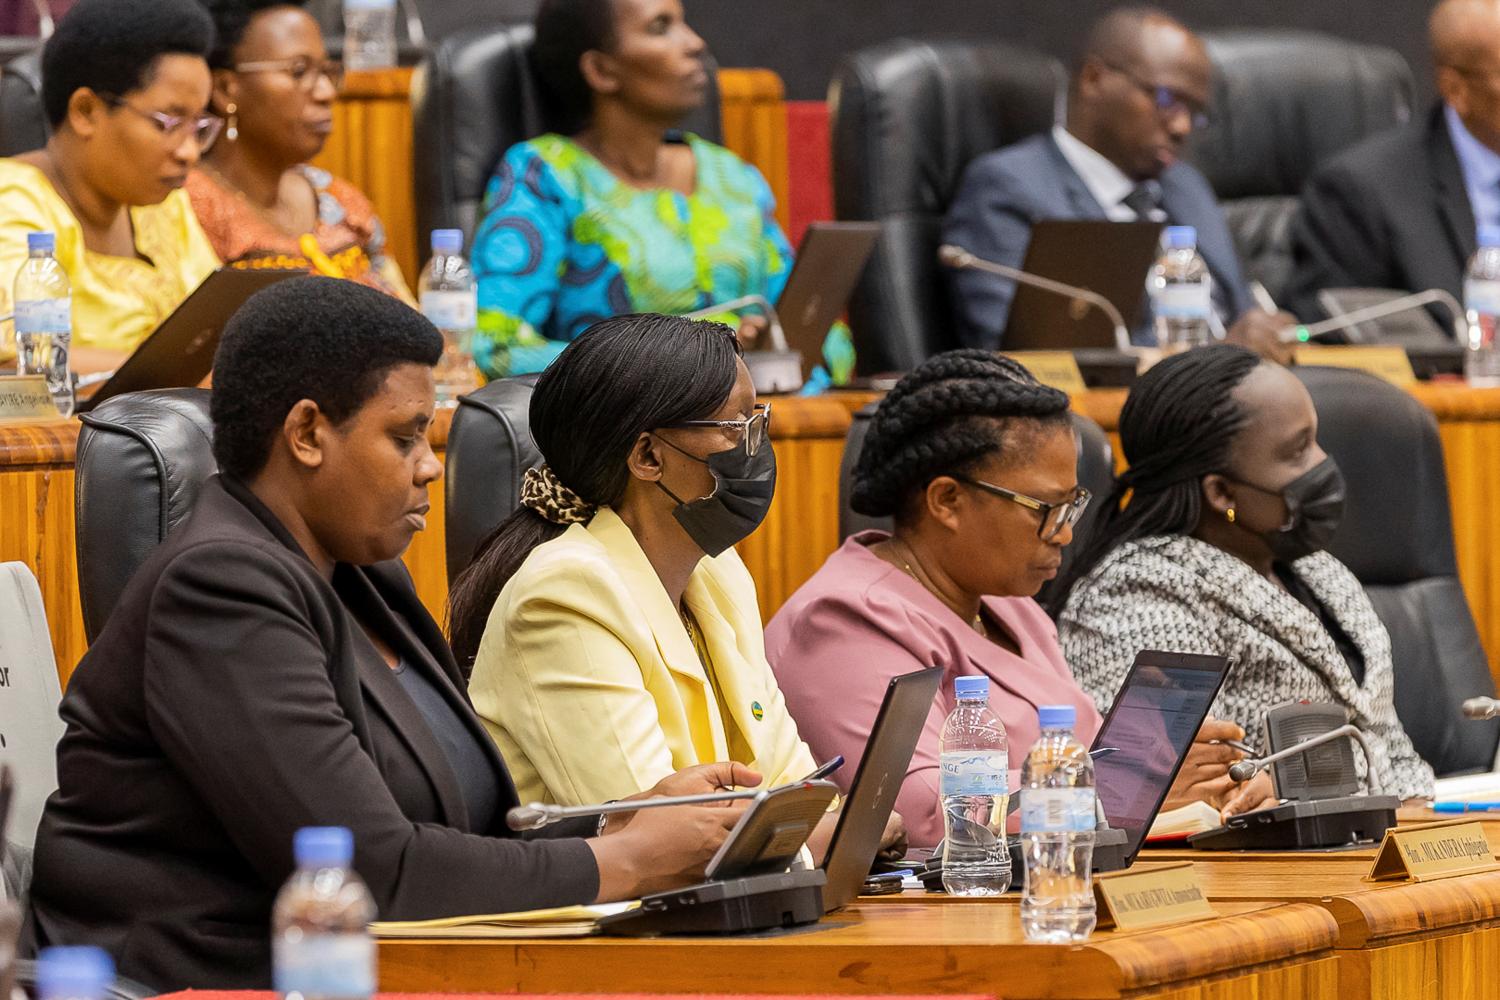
[[977, 463]]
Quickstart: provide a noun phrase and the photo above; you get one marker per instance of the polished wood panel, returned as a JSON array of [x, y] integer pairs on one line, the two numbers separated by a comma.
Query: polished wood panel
[[752, 113], [36, 528]]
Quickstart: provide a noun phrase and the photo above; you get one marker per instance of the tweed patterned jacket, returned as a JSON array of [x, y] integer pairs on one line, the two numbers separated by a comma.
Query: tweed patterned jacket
[[1180, 594]]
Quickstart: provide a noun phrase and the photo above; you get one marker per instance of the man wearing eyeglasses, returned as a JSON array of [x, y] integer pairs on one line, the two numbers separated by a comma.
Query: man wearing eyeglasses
[[1403, 209], [1139, 90]]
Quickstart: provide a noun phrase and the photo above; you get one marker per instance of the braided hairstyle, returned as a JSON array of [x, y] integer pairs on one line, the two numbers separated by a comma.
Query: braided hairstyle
[[944, 418], [1177, 426]]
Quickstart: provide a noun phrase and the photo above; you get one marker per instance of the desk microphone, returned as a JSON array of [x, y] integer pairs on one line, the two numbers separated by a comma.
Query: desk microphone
[[1244, 770], [1405, 303], [540, 814], [960, 259], [773, 320], [1481, 708]]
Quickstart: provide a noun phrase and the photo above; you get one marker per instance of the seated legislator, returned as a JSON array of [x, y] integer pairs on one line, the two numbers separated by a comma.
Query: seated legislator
[[977, 463], [270, 667], [258, 198], [1140, 89], [1403, 209], [620, 212], [1220, 550], [124, 87]]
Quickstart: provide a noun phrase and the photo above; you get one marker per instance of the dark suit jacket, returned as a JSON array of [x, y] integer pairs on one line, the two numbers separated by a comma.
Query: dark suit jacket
[[231, 699], [1005, 192], [1390, 213]]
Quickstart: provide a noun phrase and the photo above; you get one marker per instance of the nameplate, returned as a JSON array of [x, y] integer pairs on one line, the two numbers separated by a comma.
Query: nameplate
[[1169, 894], [25, 399], [1389, 363], [1441, 850], [1059, 369]]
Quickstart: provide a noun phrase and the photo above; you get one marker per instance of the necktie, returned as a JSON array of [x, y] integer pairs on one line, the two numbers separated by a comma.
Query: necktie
[[1145, 201]]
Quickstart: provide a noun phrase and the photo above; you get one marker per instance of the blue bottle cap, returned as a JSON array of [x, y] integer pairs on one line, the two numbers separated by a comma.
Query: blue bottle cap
[[1180, 238], [74, 971], [323, 847], [449, 241], [971, 687], [1057, 716], [1489, 236], [43, 242]]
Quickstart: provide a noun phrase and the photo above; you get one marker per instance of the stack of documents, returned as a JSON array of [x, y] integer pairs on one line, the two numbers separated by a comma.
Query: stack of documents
[[561, 921]]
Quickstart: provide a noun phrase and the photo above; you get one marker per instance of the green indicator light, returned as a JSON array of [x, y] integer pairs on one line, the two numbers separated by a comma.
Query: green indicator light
[[1302, 335]]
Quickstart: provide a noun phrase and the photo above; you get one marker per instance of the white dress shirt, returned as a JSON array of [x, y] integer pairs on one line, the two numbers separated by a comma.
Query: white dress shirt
[[1105, 181]]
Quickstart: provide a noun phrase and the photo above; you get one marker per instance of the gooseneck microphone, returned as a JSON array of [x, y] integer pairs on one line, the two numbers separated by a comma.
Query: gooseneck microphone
[[1244, 770], [773, 320], [960, 259], [1405, 303], [540, 814], [1481, 708]]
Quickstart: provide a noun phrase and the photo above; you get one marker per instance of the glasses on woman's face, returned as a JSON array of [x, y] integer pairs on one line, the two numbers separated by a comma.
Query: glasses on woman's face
[[305, 72], [753, 430], [1055, 516], [174, 128]]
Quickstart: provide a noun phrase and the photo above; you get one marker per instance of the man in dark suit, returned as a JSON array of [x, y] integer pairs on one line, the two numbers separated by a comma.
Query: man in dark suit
[[1402, 209], [1140, 88]]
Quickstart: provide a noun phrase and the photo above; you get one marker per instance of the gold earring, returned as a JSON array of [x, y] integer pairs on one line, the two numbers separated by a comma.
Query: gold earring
[[232, 123], [1230, 515]]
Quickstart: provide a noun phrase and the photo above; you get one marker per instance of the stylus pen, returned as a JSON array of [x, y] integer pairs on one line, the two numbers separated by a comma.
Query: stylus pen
[[826, 768], [1241, 746], [1263, 298]]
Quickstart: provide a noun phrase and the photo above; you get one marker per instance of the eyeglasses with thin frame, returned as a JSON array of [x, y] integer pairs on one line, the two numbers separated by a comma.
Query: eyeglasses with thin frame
[[753, 430], [1055, 516], [305, 72], [1169, 103], [204, 128]]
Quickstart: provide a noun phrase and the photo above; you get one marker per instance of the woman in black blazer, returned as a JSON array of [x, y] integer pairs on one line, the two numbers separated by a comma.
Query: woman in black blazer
[[270, 668]]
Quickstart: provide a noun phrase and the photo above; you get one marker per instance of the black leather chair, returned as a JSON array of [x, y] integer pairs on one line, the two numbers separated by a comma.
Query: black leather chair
[[141, 460], [907, 117], [473, 99], [1284, 101], [1096, 473], [489, 451], [1397, 538], [23, 123]]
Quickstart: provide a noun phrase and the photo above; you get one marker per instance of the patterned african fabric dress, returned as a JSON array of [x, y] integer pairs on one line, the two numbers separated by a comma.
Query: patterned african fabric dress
[[348, 242], [565, 243]]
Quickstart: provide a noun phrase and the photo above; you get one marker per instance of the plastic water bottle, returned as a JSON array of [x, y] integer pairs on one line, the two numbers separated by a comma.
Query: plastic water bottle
[[75, 972], [975, 786], [43, 300], [450, 299], [1057, 832], [1181, 296], [1482, 306], [321, 945], [369, 34]]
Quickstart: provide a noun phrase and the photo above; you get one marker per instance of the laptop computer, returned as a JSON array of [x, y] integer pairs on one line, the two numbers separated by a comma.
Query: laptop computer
[[180, 352], [829, 263], [1110, 258]]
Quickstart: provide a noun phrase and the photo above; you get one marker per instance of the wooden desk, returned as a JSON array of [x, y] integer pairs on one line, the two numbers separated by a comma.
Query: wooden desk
[[1256, 951]]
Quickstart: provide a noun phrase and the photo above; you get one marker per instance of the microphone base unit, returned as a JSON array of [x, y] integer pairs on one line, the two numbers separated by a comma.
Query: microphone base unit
[[774, 371], [732, 906], [1301, 826]]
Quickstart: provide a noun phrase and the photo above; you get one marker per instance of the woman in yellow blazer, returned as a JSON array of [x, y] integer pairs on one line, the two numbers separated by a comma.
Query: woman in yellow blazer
[[613, 632]]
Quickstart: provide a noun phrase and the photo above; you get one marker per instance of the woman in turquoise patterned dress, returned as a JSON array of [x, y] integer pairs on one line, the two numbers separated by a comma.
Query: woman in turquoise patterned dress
[[619, 212]]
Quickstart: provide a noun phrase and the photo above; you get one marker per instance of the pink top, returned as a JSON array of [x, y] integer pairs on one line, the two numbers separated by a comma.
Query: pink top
[[861, 621]]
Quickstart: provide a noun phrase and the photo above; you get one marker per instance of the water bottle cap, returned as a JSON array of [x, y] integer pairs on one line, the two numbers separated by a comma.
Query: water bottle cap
[[1180, 238], [74, 971], [971, 687], [323, 847], [46, 242], [1489, 236], [1057, 716], [447, 241]]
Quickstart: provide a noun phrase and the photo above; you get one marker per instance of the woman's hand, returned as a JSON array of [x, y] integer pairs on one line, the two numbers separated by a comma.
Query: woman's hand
[[1257, 792], [893, 843], [752, 326], [1205, 773], [701, 779]]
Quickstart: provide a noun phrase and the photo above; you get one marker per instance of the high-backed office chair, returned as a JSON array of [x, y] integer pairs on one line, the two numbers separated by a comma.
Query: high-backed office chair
[[489, 451], [1284, 101], [23, 123], [28, 701], [908, 116], [1397, 538], [142, 459], [473, 99]]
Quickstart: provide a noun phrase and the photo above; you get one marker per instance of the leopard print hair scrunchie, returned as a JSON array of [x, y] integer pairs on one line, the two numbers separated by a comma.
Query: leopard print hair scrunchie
[[544, 493]]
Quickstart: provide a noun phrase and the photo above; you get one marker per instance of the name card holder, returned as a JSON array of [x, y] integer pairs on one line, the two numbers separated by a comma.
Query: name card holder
[[1058, 369], [24, 399], [1149, 897], [1438, 850], [1385, 362]]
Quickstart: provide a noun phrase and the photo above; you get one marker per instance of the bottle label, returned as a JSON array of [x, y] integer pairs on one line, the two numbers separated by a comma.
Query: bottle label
[[451, 310], [50, 316], [324, 965], [1057, 810], [1187, 300], [1481, 296], [975, 772]]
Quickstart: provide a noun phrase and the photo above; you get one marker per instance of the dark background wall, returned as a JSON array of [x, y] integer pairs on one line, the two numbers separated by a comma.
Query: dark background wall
[[803, 39]]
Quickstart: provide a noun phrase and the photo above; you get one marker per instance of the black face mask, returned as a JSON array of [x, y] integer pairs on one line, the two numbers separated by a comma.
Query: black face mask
[[743, 488], [1315, 506]]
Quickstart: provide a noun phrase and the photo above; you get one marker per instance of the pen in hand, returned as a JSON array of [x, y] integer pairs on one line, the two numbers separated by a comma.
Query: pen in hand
[[826, 768]]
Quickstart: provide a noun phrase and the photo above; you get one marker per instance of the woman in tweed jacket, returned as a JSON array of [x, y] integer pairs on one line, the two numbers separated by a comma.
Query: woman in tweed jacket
[[1219, 551]]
